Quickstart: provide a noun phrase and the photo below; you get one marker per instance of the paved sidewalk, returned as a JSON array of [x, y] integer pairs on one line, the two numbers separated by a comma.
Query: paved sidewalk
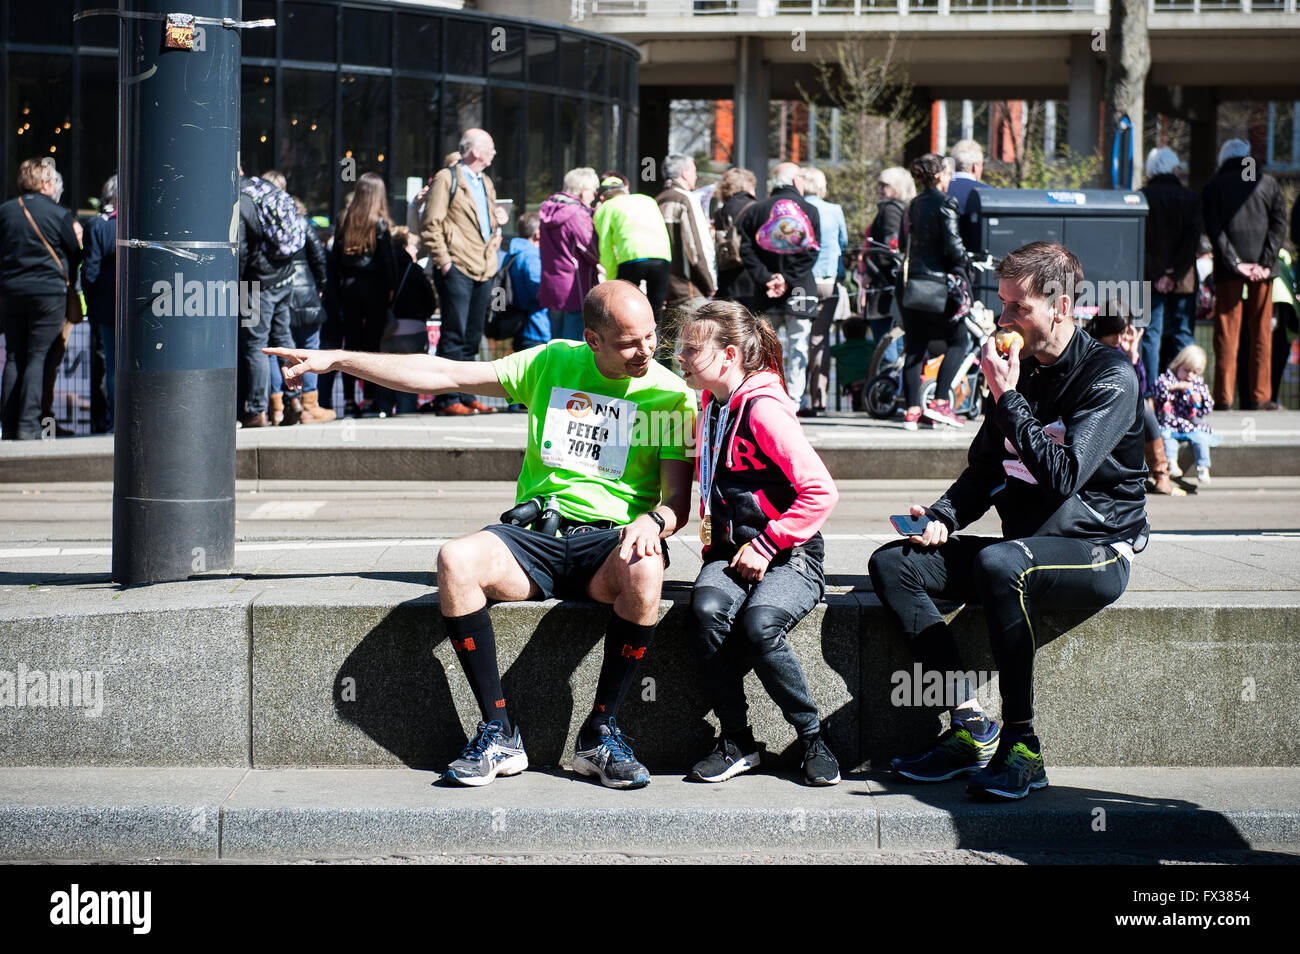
[[234, 813]]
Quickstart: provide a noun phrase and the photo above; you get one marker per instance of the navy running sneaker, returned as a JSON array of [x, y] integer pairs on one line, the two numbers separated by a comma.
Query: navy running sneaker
[[819, 765], [958, 752], [727, 760], [611, 759], [489, 754], [1015, 771]]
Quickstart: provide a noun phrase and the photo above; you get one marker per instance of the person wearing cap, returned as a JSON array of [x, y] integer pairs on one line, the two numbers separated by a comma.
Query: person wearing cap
[[634, 244]]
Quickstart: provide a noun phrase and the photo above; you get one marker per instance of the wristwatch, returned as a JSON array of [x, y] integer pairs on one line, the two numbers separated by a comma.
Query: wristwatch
[[658, 518]]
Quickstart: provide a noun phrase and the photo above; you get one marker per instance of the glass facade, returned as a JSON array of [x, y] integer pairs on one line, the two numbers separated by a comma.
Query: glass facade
[[390, 87]]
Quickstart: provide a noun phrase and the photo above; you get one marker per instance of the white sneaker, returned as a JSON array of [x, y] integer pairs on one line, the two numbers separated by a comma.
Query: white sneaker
[[1202, 475], [1174, 469]]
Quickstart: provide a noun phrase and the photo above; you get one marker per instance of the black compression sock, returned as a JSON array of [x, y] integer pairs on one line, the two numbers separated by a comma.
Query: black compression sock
[[976, 721], [1020, 730], [476, 648], [625, 646]]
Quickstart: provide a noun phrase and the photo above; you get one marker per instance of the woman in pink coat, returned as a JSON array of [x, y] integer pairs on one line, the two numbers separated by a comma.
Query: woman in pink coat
[[570, 252]]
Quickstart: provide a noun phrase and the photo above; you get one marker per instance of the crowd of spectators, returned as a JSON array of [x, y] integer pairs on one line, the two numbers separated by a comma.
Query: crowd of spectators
[[370, 285]]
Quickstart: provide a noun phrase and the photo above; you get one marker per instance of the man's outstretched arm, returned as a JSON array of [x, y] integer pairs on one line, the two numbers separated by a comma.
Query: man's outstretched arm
[[416, 373]]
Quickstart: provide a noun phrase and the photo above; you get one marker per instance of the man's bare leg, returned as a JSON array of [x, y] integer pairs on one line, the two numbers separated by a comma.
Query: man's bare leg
[[634, 588], [471, 571]]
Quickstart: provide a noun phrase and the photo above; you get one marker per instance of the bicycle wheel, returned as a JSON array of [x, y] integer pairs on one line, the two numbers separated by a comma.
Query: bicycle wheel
[[881, 396]]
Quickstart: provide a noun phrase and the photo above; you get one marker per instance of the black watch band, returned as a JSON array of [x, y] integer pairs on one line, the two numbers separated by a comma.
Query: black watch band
[[658, 518]]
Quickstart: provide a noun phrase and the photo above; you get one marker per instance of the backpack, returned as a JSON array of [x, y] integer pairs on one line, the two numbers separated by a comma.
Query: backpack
[[728, 242], [284, 232], [505, 318], [787, 230]]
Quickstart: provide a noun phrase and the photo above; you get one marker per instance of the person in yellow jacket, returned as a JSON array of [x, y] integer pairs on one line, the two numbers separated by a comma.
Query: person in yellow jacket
[[634, 244]]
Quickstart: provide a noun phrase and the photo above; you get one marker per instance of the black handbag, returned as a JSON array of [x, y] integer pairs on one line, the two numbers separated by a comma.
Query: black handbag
[[923, 292]]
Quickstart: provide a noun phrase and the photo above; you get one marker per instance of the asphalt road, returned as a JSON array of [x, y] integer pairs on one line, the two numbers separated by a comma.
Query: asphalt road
[[277, 510]]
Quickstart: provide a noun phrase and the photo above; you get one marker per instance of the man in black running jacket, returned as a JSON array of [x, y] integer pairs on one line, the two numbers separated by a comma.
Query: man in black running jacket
[[1060, 455]]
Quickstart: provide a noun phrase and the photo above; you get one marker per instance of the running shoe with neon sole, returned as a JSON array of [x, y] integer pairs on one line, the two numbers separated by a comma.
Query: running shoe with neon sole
[[611, 760], [958, 752], [1015, 771], [728, 759], [489, 754]]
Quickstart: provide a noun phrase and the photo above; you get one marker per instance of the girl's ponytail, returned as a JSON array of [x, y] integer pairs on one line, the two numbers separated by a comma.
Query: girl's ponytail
[[769, 348]]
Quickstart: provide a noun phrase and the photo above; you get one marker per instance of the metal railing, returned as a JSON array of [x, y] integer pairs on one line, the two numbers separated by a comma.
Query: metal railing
[[588, 9]]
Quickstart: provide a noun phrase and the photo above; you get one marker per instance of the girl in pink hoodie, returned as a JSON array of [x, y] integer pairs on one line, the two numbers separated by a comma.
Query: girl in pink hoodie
[[764, 497]]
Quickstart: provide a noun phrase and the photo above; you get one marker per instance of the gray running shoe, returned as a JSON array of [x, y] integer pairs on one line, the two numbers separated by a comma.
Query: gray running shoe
[[489, 754]]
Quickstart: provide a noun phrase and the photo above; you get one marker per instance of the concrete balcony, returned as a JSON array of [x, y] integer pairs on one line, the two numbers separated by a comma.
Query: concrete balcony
[[728, 15]]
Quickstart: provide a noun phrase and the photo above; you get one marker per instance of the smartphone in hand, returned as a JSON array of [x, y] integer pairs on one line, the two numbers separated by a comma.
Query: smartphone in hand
[[908, 525]]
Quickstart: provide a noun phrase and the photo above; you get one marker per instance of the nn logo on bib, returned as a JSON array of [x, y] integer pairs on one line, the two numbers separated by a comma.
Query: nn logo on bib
[[580, 405]]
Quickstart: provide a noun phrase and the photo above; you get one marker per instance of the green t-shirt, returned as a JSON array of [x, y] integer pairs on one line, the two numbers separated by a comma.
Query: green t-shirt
[[593, 443]]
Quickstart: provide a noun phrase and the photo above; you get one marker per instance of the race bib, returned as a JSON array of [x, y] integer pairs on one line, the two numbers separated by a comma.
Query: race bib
[[587, 433], [1054, 432]]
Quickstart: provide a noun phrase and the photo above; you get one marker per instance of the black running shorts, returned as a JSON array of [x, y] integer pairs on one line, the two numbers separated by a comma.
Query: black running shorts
[[563, 567]]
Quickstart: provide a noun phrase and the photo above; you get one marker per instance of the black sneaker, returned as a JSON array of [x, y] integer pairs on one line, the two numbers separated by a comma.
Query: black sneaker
[[819, 765], [727, 760]]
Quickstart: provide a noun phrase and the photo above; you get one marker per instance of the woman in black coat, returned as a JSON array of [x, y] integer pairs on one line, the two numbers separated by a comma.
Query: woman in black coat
[[934, 250], [363, 271], [35, 289], [734, 194], [894, 190]]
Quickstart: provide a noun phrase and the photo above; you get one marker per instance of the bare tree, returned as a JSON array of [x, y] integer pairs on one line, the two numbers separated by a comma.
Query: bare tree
[[1128, 58], [877, 118]]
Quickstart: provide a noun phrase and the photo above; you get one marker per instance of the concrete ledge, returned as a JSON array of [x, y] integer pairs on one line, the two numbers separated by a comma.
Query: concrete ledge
[[163, 686], [83, 813], [343, 461], [295, 676]]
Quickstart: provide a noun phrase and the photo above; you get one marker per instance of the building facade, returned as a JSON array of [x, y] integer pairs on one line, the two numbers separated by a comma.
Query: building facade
[[341, 88]]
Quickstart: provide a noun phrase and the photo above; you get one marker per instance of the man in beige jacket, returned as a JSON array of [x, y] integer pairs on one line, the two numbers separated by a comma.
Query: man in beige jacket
[[461, 233], [692, 278]]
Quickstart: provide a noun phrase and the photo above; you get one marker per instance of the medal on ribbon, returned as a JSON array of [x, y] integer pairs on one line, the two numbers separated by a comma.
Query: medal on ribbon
[[708, 468]]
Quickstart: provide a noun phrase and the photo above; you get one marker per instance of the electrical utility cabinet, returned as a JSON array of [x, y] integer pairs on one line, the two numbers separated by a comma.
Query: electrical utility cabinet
[[1105, 228]]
